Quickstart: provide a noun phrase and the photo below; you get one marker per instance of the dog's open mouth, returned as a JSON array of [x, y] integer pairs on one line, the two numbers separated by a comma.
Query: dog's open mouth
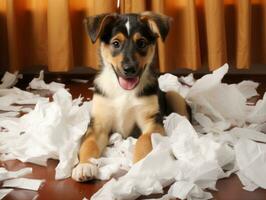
[[128, 83]]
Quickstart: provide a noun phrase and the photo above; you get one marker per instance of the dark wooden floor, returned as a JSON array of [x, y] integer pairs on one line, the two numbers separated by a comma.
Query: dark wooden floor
[[228, 189]]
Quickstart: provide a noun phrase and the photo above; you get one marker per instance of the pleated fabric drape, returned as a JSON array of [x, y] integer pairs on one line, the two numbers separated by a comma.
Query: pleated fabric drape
[[203, 33]]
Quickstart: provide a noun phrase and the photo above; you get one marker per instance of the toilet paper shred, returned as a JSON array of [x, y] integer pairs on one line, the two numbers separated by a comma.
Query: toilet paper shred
[[4, 192], [39, 84], [23, 183], [13, 179], [227, 135], [9, 79], [5, 174]]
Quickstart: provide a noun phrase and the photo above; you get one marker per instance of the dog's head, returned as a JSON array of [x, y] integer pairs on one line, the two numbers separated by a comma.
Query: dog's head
[[128, 42]]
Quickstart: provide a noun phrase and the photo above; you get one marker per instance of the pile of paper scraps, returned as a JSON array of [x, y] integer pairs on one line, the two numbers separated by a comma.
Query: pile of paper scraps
[[51, 130], [227, 136]]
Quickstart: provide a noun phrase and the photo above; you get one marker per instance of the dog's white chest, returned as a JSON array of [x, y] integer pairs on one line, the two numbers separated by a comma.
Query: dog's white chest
[[125, 107]]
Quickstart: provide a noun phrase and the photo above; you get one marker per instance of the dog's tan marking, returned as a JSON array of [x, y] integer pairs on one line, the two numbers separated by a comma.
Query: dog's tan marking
[[96, 137], [176, 103], [147, 59], [147, 123], [120, 37], [138, 36], [107, 55], [89, 149]]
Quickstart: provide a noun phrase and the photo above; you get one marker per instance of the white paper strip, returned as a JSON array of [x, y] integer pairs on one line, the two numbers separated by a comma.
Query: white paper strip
[[4, 192], [39, 84], [4, 174], [24, 183], [248, 134], [9, 79], [9, 114]]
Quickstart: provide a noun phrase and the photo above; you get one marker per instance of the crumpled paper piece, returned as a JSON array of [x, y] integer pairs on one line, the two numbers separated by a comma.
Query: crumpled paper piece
[[39, 84], [51, 130], [14, 100], [17, 96], [169, 82], [9, 79], [117, 157], [258, 114], [186, 190], [251, 157]]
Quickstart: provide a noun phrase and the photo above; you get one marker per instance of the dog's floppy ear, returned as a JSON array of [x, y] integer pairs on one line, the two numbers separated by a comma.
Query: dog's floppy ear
[[95, 24], [159, 24]]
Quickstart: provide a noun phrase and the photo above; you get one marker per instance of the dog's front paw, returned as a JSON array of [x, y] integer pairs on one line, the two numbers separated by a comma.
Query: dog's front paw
[[84, 172]]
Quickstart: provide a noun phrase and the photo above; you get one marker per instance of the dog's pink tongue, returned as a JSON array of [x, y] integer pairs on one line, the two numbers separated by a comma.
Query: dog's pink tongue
[[128, 83]]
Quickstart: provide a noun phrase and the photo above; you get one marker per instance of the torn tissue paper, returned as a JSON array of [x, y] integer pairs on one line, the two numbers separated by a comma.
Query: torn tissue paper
[[39, 84], [14, 100], [23, 183], [51, 130], [9, 80], [17, 96], [117, 157], [4, 192], [251, 159], [5, 175]]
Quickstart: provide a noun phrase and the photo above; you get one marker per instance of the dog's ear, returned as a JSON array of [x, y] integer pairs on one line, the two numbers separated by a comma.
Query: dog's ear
[[159, 24], [95, 24]]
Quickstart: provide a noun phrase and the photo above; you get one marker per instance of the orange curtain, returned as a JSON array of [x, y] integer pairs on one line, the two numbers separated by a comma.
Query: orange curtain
[[204, 33]]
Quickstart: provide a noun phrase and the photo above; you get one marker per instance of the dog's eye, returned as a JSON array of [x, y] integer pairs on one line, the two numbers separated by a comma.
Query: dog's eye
[[141, 43], [116, 44]]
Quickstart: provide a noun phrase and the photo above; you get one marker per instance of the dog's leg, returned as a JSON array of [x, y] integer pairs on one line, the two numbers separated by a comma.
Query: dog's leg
[[92, 146], [176, 103], [143, 145]]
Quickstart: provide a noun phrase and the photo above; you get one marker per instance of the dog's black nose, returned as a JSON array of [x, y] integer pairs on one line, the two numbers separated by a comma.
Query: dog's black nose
[[129, 70]]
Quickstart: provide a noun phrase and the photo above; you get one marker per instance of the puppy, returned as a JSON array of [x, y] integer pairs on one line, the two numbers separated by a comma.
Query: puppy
[[126, 88]]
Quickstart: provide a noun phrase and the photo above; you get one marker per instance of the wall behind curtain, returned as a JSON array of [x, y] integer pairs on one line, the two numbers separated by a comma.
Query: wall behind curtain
[[203, 33]]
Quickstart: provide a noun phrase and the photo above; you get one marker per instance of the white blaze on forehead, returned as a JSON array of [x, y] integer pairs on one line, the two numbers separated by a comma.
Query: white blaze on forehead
[[128, 26]]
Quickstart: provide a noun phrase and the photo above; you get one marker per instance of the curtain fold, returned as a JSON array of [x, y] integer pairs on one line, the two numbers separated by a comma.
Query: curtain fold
[[215, 26], [243, 34], [60, 51], [204, 33]]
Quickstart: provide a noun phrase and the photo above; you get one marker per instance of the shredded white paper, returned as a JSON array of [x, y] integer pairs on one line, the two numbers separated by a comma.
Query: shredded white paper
[[23, 183], [39, 84], [51, 130], [12, 179], [9, 79], [5, 174], [4, 192], [17, 96]]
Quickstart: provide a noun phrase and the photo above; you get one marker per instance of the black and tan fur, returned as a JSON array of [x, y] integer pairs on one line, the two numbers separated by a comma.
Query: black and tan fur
[[126, 42]]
